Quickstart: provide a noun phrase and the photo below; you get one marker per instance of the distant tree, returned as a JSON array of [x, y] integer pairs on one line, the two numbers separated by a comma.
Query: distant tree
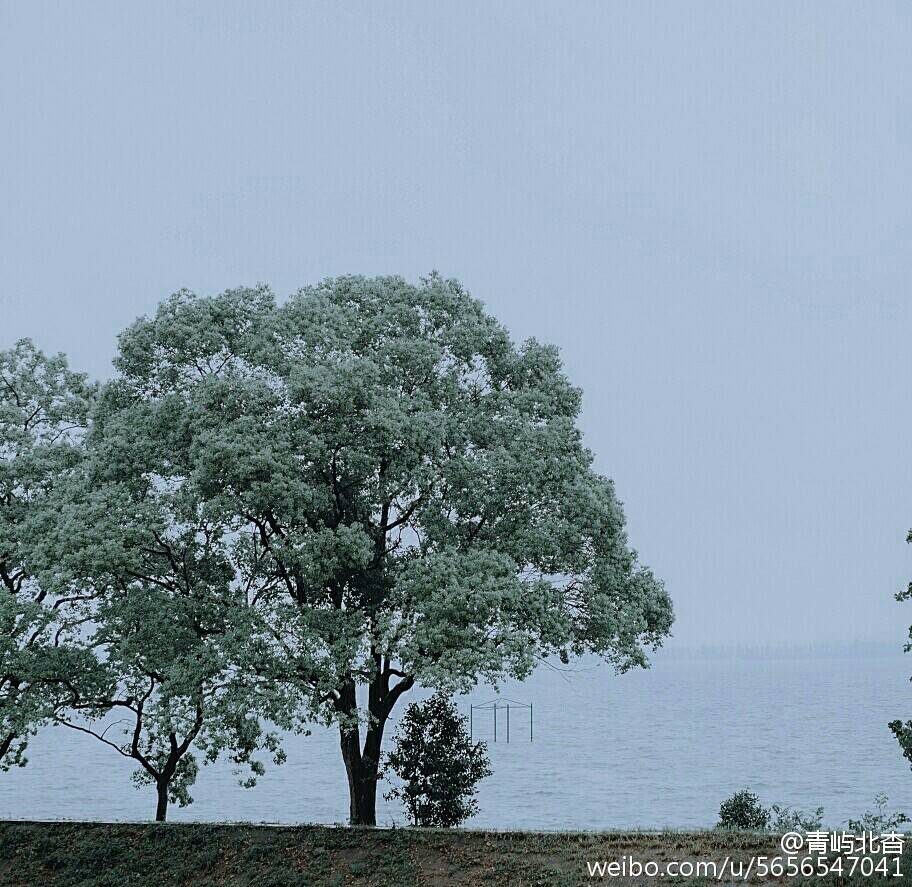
[[438, 764], [43, 415], [411, 489]]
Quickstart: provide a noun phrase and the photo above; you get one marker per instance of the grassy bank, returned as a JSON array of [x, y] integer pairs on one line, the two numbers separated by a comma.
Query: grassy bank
[[106, 855]]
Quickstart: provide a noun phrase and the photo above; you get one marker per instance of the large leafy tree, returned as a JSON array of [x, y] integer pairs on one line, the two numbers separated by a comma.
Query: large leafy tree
[[411, 488], [43, 416]]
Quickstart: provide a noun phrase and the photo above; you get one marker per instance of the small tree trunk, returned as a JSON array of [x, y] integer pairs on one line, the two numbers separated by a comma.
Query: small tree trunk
[[161, 807]]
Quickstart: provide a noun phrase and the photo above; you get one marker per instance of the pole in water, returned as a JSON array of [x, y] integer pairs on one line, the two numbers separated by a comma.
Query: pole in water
[[495, 722], [508, 722], [471, 714]]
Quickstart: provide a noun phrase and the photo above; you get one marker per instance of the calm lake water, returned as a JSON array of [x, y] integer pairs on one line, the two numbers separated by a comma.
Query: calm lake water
[[651, 749]]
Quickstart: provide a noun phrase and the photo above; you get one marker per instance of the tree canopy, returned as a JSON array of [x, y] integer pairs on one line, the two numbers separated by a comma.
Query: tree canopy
[[401, 492]]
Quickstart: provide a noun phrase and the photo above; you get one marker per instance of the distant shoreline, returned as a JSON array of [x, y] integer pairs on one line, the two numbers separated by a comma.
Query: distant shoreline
[[829, 650]]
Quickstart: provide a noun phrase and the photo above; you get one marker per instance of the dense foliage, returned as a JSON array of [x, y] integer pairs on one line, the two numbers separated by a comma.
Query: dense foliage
[[169, 630], [437, 764], [44, 410], [114, 601], [299, 511]]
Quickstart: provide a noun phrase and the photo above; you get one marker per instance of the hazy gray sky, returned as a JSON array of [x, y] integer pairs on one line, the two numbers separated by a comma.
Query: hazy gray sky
[[705, 205]]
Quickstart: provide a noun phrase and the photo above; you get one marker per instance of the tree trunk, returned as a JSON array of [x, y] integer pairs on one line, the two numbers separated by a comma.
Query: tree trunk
[[362, 766], [161, 807], [370, 764], [5, 743]]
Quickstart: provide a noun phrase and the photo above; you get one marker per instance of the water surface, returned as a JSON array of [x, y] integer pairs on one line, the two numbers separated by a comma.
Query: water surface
[[651, 749]]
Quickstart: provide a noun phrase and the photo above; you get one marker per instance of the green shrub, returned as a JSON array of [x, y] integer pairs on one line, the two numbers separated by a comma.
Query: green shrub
[[438, 764], [743, 811]]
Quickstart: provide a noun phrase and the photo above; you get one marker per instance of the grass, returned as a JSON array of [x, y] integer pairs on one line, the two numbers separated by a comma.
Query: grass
[[120, 855]]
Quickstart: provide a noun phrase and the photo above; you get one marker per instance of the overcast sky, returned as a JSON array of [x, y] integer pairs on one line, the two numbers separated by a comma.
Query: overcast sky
[[706, 206]]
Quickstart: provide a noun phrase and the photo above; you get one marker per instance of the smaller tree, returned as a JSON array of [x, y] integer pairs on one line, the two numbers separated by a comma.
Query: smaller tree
[[169, 630], [171, 675], [438, 764]]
